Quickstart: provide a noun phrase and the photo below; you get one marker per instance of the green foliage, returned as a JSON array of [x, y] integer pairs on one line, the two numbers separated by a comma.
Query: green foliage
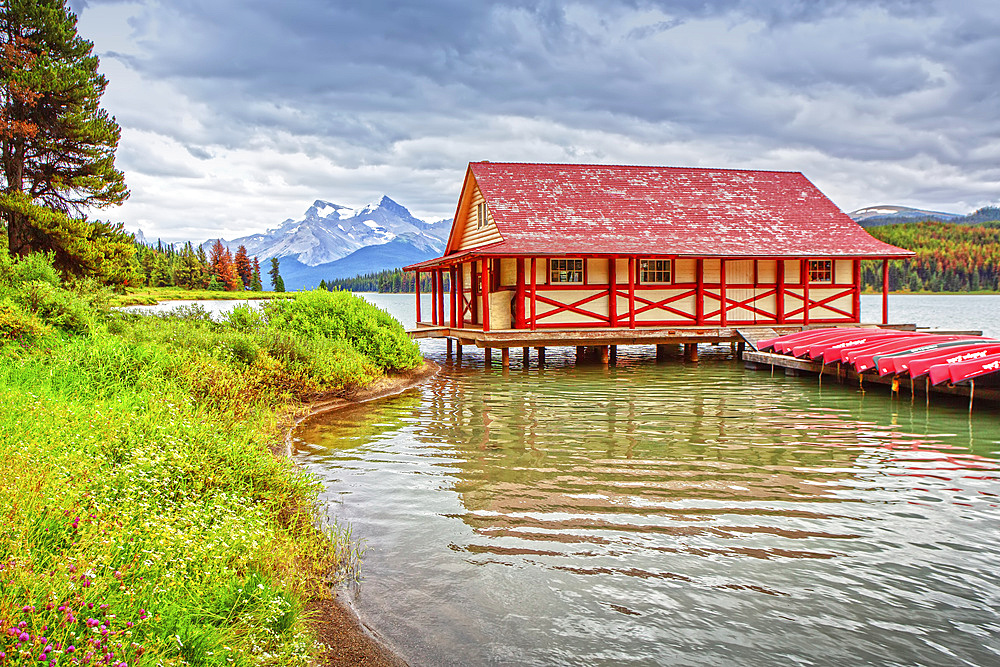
[[59, 145], [277, 283], [949, 257], [341, 315], [134, 475]]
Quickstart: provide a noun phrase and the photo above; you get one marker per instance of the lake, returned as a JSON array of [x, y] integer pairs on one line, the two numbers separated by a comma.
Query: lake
[[671, 513]]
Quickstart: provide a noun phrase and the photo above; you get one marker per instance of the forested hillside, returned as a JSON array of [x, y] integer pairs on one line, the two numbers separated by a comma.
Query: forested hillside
[[950, 257]]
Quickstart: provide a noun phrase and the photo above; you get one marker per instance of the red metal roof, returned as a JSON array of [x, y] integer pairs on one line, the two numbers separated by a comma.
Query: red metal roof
[[599, 209]]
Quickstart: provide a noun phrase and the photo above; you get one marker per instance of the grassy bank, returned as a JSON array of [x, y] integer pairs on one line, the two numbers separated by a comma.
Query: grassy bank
[[147, 296], [145, 519]]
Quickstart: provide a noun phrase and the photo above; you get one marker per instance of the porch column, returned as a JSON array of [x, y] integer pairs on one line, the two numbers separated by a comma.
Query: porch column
[[631, 292], [804, 271], [474, 292], [441, 317], [722, 292], [612, 292], [534, 276], [885, 291], [519, 296], [434, 297], [485, 288], [699, 303], [453, 285], [857, 290], [780, 296], [416, 289]]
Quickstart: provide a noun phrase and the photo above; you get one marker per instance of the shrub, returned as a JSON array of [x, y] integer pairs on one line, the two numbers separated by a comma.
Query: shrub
[[18, 325]]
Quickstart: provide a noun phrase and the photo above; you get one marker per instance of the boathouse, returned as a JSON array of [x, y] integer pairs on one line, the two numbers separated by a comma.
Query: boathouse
[[574, 253]]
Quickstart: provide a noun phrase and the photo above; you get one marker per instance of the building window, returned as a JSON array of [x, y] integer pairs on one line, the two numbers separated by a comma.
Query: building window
[[481, 215], [820, 271], [565, 270], [654, 270]]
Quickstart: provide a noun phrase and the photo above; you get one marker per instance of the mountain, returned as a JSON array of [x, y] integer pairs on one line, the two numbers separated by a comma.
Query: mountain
[[877, 216], [888, 214], [332, 241]]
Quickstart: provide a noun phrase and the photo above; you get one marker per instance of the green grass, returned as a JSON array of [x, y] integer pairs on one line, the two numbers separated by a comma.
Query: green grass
[[144, 513], [148, 296]]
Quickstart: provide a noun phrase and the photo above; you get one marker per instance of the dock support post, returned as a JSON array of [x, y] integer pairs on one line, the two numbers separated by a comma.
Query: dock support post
[[661, 351], [488, 356], [524, 357], [541, 356], [605, 355], [581, 352], [458, 350], [505, 357], [614, 354], [416, 290], [740, 349], [448, 347], [691, 351]]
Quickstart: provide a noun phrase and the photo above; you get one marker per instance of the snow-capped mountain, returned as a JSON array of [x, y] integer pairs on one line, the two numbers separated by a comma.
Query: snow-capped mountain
[[329, 232], [874, 216]]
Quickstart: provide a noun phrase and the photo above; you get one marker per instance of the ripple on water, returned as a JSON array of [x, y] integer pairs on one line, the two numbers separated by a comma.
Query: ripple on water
[[678, 514]]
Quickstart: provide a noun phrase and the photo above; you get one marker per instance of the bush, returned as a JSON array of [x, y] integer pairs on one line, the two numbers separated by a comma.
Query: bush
[[18, 325]]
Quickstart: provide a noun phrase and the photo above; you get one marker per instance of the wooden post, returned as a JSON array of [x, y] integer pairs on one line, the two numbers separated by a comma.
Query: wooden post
[[458, 349], [505, 357], [780, 296], [416, 288], [691, 351], [519, 296], [856, 273], [631, 292], [605, 355], [454, 283], [885, 291], [541, 356], [722, 292], [699, 303], [740, 349], [434, 297], [534, 275], [614, 354], [804, 271], [448, 347], [661, 352], [441, 317], [488, 356], [612, 293], [524, 357], [581, 352], [486, 295]]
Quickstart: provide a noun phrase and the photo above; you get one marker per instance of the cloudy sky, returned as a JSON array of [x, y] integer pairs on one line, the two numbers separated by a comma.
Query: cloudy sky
[[237, 114]]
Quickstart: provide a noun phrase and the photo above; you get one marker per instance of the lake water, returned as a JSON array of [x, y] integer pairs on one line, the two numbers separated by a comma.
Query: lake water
[[673, 513]]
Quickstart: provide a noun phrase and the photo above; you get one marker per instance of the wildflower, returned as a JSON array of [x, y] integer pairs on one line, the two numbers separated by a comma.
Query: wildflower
[[92, 623], [70, 648], [23, 637]]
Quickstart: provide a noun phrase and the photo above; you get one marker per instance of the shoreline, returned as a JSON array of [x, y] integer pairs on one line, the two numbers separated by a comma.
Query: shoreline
[[339, 629]]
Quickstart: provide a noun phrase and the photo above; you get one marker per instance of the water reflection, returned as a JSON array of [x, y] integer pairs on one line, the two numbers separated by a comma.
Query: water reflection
[[688, 514]]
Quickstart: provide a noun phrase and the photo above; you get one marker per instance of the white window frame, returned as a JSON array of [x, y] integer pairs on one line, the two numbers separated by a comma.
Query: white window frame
[[658, 264], [566, 271], [481, 219], [818, 268]]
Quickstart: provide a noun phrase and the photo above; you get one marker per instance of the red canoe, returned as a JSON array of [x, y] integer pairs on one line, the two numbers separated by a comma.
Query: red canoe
[[954, 356], [863, 359], [960, 350], [814, 347], [782, 340], [964, 371], [835, 351]]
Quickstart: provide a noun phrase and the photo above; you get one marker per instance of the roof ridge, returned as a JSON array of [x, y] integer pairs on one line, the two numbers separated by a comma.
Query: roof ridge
[[636, 166]]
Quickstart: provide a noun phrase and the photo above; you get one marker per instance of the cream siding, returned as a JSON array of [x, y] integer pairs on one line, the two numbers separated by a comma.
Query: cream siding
[[470, 235], [597, 271], [508, 272], [711, 268], [792, 271], [685, 270], [767, 272], [843, 272]]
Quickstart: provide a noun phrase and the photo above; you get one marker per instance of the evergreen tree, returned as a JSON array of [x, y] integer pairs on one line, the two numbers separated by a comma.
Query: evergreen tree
[[58, 145], [255, 284], [243, 268], [276, 282]]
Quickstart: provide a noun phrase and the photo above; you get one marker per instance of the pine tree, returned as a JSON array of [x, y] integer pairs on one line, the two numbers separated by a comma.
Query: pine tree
[[58, 145], [255, 284], [276, 282], [221, 266], [243, 268]]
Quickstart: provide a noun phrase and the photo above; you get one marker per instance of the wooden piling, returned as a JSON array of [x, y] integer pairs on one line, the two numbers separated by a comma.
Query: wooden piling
[[458, 349], [524, 357], [505, 357], [488, 355], [691, 351], [541, 356], [448, 347], [614, 354], [605, 355]]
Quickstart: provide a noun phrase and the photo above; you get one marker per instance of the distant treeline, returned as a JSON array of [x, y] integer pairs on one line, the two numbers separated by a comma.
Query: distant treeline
[[392, 281], [190, 267], [950, 257]]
